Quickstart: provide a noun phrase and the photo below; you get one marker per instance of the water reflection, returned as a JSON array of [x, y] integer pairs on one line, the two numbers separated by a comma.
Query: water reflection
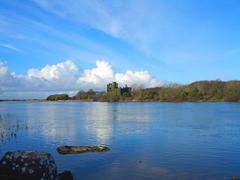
[[100, 121], [147, 140], [69, 122], [9, 127], [105, 119], [52, 122]]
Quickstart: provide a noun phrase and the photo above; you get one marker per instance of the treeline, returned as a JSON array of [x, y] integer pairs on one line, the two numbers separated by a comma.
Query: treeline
[[58, 97], [201, 91]]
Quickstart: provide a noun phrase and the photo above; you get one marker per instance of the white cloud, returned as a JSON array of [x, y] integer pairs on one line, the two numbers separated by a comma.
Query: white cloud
[[99, 76], [61, 76], [55, 72], [8, 80], [3, 69], [139, 78], [10, 46], [143, 25], [91, 13], [65, 76]]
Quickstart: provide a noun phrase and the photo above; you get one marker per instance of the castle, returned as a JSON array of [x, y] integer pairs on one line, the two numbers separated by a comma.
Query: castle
[[119, 91]]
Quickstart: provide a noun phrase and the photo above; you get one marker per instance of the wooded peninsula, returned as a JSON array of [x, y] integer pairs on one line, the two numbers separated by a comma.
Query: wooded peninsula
[[200, 91]]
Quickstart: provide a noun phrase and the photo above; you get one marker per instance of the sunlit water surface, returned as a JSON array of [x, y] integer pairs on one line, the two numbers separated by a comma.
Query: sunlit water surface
[[147, 140]]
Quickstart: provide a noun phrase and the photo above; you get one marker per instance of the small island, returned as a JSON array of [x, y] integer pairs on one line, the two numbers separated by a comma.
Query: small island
[[200, 91]]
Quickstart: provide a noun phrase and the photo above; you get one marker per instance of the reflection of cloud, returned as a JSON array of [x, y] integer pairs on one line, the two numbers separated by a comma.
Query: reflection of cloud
[[104, 118], [100, 119], [91, 123], [103, 135], [67, 122], [50, 122]]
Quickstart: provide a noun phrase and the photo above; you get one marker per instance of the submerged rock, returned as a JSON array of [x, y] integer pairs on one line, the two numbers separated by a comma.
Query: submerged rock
[[27, 165], [65, 175], [81, 149]]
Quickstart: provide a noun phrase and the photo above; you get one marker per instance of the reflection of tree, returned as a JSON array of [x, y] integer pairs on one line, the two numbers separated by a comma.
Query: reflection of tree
[[9, 127]]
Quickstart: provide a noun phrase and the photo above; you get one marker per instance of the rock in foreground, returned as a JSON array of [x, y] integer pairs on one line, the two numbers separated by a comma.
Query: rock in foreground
[[30, 165], [81, 149]]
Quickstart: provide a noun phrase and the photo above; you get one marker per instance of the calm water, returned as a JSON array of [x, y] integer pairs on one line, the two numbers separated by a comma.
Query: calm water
[[147, 140]]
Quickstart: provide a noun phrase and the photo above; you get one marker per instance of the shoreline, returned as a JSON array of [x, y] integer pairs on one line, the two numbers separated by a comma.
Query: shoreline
[[43, 100]]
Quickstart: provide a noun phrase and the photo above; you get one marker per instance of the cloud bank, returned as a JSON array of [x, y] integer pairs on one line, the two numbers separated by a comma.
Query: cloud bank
[[66, 76]]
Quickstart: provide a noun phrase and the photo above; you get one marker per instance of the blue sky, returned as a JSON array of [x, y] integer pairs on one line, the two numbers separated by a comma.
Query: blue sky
[[171, 40]]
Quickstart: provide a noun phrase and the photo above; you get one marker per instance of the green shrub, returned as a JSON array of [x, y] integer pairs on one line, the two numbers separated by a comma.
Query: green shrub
[[58, 97]]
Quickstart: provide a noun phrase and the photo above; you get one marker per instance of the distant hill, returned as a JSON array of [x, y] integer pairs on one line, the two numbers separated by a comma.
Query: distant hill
[[194, 92], [201, 91]]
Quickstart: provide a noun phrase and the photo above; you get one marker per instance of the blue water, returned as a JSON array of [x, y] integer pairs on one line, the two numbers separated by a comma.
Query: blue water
[[147, 140]]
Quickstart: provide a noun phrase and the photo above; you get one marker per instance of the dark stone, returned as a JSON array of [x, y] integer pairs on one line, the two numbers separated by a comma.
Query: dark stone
[[235, 178], [28, 165], [65, 175], [81, 149]]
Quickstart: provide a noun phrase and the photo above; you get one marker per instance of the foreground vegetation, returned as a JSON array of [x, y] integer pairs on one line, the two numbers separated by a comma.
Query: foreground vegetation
[[201, 91]]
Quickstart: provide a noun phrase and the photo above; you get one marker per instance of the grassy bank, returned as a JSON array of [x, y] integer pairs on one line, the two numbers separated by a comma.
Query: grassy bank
[[201, 91]]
